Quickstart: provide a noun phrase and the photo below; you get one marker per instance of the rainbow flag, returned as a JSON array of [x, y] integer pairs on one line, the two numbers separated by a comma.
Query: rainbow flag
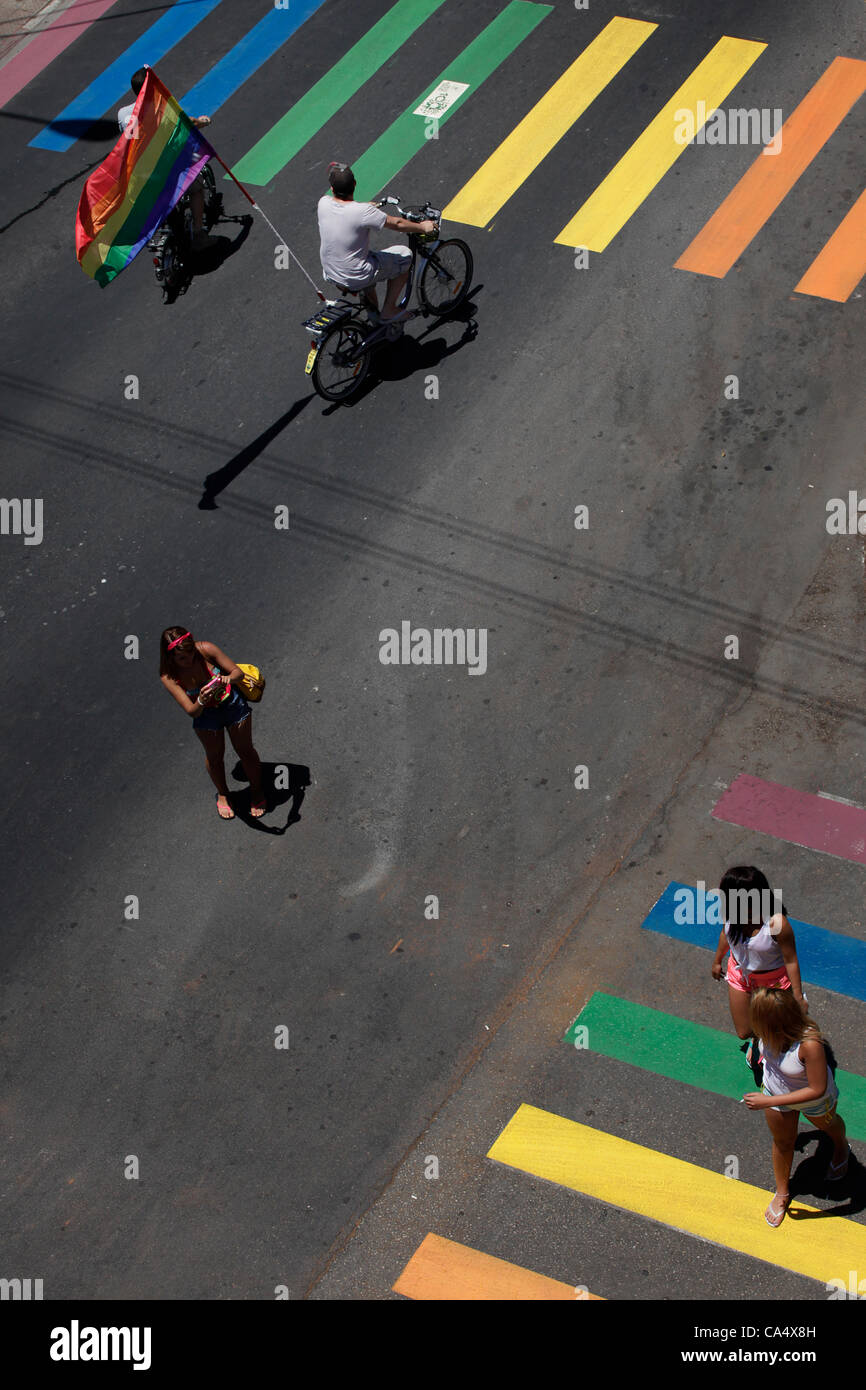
[[124, 201]]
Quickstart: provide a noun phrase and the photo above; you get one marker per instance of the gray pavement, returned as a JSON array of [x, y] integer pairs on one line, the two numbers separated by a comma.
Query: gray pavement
[[154, 1037], [21, 19]]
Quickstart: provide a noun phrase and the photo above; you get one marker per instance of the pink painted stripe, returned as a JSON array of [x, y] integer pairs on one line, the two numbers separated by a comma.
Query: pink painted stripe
[[801, 818], [47, 44]]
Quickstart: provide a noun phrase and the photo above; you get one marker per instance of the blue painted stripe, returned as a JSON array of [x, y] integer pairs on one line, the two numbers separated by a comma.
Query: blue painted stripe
[[112, 85], [826, 958], [247, 56]]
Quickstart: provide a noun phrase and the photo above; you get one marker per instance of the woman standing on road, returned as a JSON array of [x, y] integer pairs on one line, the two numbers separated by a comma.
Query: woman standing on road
[[205, 684], [795, 1072], [763, 952]]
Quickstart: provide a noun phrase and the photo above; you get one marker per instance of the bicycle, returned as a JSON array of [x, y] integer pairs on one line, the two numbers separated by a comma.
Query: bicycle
[[342, 344], [171, 243]]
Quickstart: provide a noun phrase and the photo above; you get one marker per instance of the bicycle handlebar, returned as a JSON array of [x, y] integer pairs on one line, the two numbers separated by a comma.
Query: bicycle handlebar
[[427, 214]]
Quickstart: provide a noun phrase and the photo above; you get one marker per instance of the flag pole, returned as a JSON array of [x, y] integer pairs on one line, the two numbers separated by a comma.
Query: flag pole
[[231, 175], [281, 239]]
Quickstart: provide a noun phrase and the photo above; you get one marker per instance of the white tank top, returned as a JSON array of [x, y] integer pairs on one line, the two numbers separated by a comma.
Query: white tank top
[[757, 954], [784, 1073]]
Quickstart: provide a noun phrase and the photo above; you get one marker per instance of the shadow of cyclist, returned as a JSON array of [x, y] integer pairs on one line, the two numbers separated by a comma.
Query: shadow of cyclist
[[210, 258], [410, 355], [206, 261], [218, 481]]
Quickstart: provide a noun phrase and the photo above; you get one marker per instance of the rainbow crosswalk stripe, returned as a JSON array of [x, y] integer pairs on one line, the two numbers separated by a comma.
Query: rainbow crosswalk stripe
[[444, 1270], [706, 1204], [133, 190]]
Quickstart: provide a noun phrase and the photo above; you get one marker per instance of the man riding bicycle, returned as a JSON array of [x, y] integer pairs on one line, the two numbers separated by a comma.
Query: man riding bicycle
[[347, 261], [195, 191]]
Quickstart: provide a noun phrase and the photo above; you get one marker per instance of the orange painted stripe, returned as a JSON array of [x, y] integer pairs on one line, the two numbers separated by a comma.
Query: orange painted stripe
[[772, 176], [838, 269], [443, 1270]]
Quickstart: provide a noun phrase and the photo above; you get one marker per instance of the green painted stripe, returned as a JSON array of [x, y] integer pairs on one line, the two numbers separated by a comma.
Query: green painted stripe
[[292, 131], [407, 135], [689, 1052]]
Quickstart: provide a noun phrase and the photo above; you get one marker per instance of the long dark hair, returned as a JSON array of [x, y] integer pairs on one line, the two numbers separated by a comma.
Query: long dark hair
[[761, 900], [166, 657]]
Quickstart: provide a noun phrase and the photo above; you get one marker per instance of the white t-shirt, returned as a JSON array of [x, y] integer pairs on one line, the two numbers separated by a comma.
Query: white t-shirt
[[123, 116], [345, 231]]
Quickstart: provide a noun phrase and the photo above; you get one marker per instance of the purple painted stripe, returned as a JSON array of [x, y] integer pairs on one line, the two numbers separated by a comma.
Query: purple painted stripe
[[801, 818]]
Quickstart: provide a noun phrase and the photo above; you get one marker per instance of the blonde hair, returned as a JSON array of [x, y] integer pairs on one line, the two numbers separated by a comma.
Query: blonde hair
[[779, 1021]]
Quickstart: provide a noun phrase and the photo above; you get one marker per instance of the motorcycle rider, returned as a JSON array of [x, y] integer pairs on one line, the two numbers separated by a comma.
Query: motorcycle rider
[[201, 239]]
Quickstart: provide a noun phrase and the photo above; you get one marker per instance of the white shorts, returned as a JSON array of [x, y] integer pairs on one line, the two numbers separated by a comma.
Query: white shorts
[[390, 263]]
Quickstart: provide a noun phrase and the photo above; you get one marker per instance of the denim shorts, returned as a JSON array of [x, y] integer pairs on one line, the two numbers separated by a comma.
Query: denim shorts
[[821, 1109], [224, 716]]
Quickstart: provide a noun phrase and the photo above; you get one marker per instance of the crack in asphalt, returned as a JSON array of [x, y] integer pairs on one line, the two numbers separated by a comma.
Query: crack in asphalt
[[52, 193]]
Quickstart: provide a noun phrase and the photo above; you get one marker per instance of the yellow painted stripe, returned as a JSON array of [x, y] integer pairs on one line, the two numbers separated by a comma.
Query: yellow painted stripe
[[443, 1269], [656, 149], [679, 1194], [838, 269], [552, 117]]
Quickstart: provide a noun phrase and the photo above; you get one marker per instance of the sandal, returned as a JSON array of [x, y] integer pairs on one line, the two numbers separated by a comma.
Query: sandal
[[224, 813], [258, 808], [837, 1171], [771, 1216]]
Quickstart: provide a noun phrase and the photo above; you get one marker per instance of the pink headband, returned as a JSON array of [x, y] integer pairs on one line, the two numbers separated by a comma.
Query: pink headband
[[179, 639]]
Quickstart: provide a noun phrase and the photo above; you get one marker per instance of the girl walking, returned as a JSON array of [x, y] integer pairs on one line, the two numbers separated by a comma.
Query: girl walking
[[205, 684], [763, 952], [797, 1080]]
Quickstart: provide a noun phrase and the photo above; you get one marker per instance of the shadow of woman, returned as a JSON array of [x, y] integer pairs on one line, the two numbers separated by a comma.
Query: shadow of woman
[[281, 783], [810, 1178]]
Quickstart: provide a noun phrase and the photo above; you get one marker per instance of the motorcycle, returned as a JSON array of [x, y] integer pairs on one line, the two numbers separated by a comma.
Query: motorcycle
[[171, 245]]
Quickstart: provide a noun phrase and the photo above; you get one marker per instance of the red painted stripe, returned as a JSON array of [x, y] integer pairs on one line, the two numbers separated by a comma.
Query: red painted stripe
[[48, 44], [801, 818]]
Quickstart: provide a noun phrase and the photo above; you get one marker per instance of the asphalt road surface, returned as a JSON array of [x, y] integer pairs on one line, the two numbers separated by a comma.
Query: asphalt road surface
[[163, 438]]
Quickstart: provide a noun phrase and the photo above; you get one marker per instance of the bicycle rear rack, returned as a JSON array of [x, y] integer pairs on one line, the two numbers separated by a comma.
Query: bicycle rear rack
[[325, 319]]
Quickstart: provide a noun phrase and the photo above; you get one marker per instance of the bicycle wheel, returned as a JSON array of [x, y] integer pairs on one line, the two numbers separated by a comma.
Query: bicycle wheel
[[446, 278], [341, 363]]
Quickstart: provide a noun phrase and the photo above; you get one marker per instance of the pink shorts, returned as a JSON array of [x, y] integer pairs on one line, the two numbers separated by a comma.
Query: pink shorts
[[767, 979]]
